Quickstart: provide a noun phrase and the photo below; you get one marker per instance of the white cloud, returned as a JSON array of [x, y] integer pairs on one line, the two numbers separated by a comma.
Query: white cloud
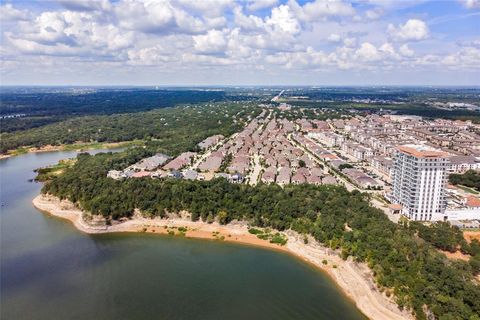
[[468, 57], [471, 4], [9, 13], [350, 42], [86, 5], [255, 5], [50, 28], [334, 38], [216, 22], [394, 4], [413, 29], [319, 10], [406, 51], [160, 17], [206, 60], [308, 58], [212, 42], [367, 52], [248, 23], [147, 17], [470, 43], [374, 14], [324, 8], [69, 33], [387, 49], [282, 20], [178, 35], [207, 8], [155, 55]]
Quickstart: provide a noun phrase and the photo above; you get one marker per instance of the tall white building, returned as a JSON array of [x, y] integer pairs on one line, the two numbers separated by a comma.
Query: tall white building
[[419, 181]]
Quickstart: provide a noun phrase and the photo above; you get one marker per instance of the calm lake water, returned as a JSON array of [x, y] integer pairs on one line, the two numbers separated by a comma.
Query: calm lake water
[[49, 270]]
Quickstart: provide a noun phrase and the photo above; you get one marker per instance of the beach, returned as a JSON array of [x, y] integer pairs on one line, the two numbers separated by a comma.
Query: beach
[[355, 279]]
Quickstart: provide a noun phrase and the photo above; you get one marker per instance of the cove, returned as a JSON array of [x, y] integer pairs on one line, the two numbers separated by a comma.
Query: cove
[[49, 270]]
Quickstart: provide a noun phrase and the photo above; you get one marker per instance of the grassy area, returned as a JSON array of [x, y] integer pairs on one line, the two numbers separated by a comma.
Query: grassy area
[[48, 173], [101, 145], [468, 189], [380, 198], [19, 151], [77, 146]]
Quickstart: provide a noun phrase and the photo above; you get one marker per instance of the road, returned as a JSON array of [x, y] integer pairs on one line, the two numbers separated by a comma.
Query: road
[[255, 173], [277, 96], [348, 185], [208, 152]]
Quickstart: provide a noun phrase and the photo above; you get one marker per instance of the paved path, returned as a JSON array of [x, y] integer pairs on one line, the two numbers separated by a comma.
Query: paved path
[[277, 96], [255, 173]]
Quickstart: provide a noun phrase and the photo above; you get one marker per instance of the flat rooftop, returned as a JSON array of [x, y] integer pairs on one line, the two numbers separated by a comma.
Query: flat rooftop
[[422, 151]]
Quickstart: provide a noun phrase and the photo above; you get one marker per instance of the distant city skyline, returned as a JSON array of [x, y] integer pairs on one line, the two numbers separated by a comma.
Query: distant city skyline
[[233, 43]]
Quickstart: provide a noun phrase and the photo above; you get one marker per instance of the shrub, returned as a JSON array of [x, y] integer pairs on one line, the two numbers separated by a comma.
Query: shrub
[[255, 231]]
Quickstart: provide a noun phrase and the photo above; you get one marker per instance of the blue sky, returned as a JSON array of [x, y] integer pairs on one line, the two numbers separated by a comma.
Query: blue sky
[[225, 42]]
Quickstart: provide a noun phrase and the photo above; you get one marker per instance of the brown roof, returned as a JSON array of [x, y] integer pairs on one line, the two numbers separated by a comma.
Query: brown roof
[[422, 153], [314, 179], [473, 201], [141, 174], [395, 206]]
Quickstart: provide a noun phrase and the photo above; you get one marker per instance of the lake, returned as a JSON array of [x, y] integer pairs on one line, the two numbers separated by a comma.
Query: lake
[[50, 270]]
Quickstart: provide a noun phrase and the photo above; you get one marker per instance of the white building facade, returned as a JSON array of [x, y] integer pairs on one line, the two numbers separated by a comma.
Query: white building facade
[[419, 181]]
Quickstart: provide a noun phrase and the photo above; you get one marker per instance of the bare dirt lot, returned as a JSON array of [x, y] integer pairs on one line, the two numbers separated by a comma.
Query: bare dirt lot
[[470, 235]]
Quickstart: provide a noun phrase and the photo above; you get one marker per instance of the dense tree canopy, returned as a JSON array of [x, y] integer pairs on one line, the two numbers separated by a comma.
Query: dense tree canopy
[[181, 126], [40, 106]]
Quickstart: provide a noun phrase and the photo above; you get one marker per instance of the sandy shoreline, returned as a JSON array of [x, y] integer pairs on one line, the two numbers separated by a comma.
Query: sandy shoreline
[[48, 148], [75, 147], [354, 279]]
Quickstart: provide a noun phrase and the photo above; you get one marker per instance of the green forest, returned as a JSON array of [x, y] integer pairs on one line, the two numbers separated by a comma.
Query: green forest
[[404, 258], [178, 126], [471, 179], [41, 106]]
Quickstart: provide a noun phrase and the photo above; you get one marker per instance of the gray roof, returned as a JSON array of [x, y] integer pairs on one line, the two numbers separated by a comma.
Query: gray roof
[[463, 159], [190, 174], [153, 162]]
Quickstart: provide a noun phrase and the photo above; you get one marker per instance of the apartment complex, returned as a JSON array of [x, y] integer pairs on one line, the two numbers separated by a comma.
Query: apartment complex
[[419, 181]]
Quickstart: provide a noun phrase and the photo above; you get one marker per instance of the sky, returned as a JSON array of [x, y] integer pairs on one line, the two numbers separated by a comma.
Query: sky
[[251, 42]]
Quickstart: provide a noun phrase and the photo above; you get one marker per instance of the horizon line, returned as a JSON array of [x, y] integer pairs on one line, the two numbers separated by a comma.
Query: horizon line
[[242, 85]]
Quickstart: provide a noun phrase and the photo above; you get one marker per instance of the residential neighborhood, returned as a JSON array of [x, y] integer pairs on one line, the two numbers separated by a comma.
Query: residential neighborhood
[[283, 146]]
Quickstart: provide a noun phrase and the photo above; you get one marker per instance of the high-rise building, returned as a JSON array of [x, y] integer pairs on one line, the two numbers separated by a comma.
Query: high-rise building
[[419, 181]]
